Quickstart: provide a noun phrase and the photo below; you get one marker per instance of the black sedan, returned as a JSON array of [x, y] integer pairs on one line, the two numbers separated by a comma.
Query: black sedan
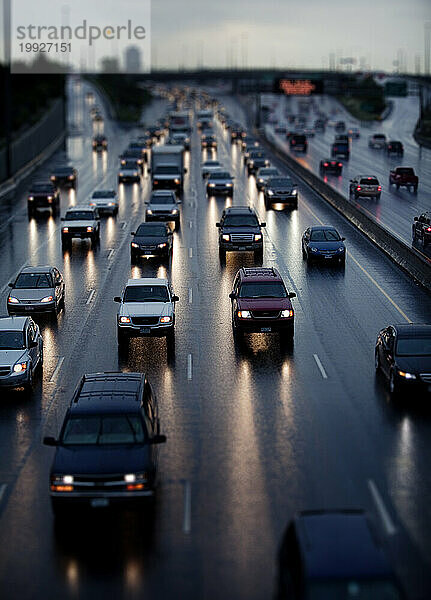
[[280, 190], [65, 176], [330, 166], [151, 240], [403, 355], [44, 195], [323, 243]]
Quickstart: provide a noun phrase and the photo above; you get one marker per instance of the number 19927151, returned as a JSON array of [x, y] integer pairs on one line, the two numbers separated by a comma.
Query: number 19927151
[[45, 47]]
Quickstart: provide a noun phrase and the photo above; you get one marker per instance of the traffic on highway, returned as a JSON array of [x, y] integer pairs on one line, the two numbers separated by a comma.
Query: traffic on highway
[[213, 385]]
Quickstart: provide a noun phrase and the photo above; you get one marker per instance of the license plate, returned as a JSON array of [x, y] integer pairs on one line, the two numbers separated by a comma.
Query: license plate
[[241, 248], [30, 307], [328, 256], [265, 329], [99, 502], [148, 252], [145, 330]]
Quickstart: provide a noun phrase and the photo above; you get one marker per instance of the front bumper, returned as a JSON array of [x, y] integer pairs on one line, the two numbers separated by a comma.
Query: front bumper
[[145, 330], [282, 199], [219, 189], [14, 380], [64, 182], [162, 217], [327, 256], [241, 246], [265, 325], [95, 500], [39, 307], [129, 178], [149, 252]]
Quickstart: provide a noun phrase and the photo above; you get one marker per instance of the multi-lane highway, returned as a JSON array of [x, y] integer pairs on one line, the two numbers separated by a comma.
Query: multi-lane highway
[[396, 208], [255, 433]]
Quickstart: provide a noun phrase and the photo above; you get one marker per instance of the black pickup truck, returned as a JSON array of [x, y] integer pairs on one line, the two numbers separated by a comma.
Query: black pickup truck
[[404, 177], [421, 228]]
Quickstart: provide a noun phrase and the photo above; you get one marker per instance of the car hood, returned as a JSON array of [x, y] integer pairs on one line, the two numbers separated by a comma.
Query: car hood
[[414, 364], [162, 207], [79, 223], [140, 309], [37, 294], [264, 303], [10, 357], [150, 241], [88, 460], [326, 245]]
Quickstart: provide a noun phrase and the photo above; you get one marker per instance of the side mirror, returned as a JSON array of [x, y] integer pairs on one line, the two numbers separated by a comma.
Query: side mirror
[[263, 224], [232, 295], [342, 239], [10, 284], [62, 219], [185, 170], [218, 225], [50, 441], [292, 295], [33, 343], [158, 439], [351, 180], [233, 177], [415, 219], [132, 233], [174, 298], [117, 299]]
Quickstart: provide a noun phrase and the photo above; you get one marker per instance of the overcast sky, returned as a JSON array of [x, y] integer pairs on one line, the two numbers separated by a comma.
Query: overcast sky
[[280, 33]]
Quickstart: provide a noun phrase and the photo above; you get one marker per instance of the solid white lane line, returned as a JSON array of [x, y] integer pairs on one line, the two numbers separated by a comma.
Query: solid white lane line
[[189, 367], [388, 524], [3, 487], [91, 296], [320, 366], [57, 369], [187, 518], [190, 252], [190, 296], [111, 253]]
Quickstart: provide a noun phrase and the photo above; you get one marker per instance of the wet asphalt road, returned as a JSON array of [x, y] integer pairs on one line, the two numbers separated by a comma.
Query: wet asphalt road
[[396, 208], [254, 433]]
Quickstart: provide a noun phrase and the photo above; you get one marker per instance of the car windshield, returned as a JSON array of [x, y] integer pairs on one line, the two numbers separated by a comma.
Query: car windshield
[[255, 154], [240, 221], [63, 171], [151, 231], [104, 194], [162, 199], [220, 175], [129, 164], [167, 170], [11, 340], [263, 290], [369, 181], [33, 281], [280, 181], [103, 430], [79, 215], [420, 346], [266, 172], [211, 163], [146, 293], [359, 589], [325, 235], [41, 187]]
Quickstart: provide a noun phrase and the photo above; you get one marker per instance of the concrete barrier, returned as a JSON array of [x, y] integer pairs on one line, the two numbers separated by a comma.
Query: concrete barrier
[[413, 262]]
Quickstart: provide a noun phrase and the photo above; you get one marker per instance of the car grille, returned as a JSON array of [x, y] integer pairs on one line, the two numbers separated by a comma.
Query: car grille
[[241, 237], [426, 377], [145, 320], [265, 314], [143, 247], [24, 301], [4, 371], [77, 229], [285, 193]]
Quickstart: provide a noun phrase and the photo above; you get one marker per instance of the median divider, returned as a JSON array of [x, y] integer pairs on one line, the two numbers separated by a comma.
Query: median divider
[[413, 262]]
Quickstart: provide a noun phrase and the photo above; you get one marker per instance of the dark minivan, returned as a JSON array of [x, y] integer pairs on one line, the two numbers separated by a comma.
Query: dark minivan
[[298, 142], [106, 453]]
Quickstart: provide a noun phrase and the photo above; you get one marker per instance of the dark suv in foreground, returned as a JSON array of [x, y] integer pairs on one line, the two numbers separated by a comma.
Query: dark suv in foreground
[[240, 230], [261, 303], [106, 453]]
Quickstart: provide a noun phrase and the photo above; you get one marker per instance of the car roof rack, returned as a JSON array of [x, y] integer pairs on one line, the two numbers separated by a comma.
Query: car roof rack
[[260, 272]]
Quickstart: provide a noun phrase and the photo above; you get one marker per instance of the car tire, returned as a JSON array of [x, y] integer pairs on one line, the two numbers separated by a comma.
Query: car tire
[[377, 365], [30, 210], [115, 212], [393, 387], [28, 387], [378, 196], [415, 189], [356, 196], [258, 254], [304, 254], [397, 186], [65, 243], [122, 341]]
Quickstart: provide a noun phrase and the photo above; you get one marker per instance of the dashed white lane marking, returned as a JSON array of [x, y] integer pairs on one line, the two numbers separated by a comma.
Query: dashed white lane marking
[[123, 225], [111, 253], [190, 252], [190, 296], [90, 296], [388, 524], [320, 366], [57, 369], [3, 487], [189, 367], [190, 224], [187, 518]]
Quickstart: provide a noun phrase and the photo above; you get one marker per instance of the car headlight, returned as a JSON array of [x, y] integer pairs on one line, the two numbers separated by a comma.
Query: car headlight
[[260, 180], [162, 245], [92, 204], [174, 211], [177, 181], [149, 211], [406, 375], [49, 197], [121, 174], [244, 314], [135, 245], [270, 193], [257, 237], [165, 319], [31, 197], [211, 185], [124, 319], [47, 299], [251, 163], [62, 483], [286, 313], [229, 185], [52, 177], [294, 192], [71, 176], [13, 300], [340, 249], [65, 229], [313, 249], [135, 173], [135, 481], [111, 203], [123, 162], [89, 229], [225, 237], [20, 367]]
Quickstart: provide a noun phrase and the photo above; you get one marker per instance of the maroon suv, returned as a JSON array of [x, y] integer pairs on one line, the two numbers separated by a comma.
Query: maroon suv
[[261, 303]]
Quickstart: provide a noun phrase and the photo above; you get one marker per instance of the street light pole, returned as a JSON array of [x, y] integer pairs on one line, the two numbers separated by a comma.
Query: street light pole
[[7, 87]]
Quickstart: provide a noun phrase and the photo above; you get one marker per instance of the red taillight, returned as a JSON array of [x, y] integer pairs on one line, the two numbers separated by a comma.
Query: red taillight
[[325, 164], [428, 228], [340, 164], [335, 149], [358, 189], [369, 177], [379, 189], [293, 142]]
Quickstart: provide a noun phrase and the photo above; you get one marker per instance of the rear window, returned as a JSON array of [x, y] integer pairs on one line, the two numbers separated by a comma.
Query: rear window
[[299, 139], [369, 181], [405, 171]]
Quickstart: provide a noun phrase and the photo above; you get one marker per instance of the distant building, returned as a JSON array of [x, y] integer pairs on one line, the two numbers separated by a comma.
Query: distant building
[[133, 59]]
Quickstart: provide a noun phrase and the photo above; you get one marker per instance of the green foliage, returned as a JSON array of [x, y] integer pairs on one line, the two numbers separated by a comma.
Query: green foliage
[[124, 93]]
